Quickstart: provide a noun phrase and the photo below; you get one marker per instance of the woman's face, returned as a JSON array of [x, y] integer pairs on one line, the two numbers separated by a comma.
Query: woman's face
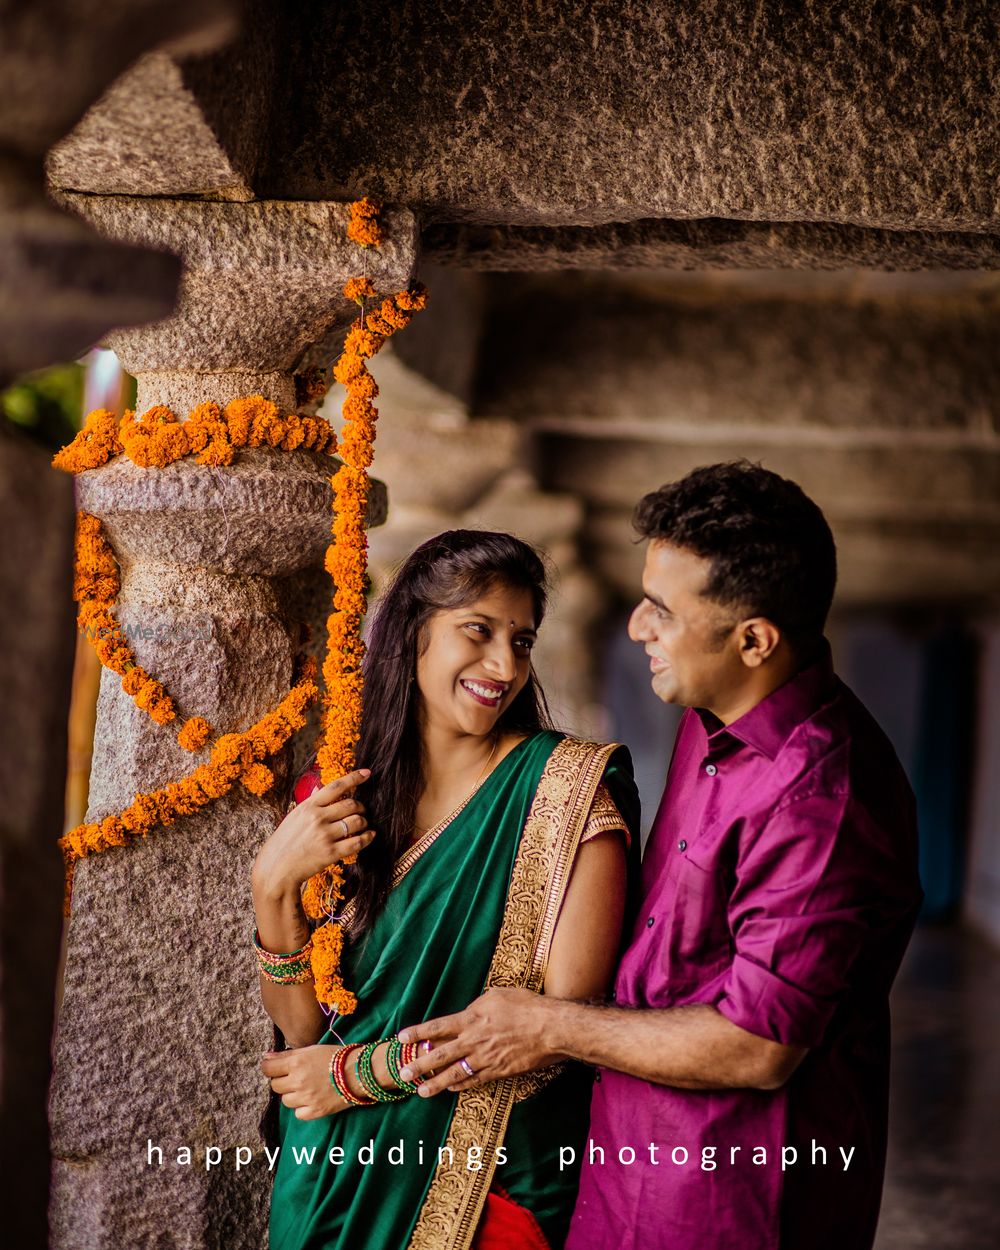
[[476, 661]]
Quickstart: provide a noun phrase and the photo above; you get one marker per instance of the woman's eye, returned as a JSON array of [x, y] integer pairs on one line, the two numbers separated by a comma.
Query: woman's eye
[[524, 643], [478, 626]]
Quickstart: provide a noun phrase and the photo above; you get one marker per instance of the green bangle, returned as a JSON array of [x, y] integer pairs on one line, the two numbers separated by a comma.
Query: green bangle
[[366, 1075], [392, 1057]]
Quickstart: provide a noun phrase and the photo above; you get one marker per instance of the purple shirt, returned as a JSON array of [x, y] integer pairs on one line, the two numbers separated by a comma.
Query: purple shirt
[[780, 885]]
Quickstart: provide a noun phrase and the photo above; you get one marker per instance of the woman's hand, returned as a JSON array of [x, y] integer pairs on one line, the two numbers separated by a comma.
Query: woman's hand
[[302, 1078], [323, 829]]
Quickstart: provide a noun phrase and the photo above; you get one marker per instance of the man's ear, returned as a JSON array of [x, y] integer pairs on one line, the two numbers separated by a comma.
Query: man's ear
[[759, 639]]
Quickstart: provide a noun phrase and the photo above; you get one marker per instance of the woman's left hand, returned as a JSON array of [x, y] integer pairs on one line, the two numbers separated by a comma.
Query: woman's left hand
[[302, 1078]]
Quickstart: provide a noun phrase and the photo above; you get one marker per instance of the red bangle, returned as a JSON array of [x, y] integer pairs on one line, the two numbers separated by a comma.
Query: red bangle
[[338, 1079], [410, 1052]]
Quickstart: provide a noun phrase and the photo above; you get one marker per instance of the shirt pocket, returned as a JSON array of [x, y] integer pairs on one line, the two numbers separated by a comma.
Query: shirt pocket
[[697, 943]]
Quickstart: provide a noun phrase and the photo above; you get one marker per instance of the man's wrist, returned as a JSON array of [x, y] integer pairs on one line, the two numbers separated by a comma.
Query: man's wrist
[[574, 1030], [564, 1028]]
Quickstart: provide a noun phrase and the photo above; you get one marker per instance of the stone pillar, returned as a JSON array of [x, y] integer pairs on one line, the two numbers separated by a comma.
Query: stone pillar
[[161, 1027]]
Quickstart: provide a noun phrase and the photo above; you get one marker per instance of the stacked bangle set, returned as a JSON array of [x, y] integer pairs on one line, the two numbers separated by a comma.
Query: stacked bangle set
[[290, 969], [294, 968], [398, 1055]]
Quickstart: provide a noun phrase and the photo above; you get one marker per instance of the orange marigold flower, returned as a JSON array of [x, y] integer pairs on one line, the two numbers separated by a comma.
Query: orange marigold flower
[[414, 299], [159, 414], [93, 446], [367, 206], [239, 418], [258, 779], [356, 408], [359, 289], [327, 941], [361, 342], [348, 367], [194, 733], [363, 386], [216, 453], [134, 680]]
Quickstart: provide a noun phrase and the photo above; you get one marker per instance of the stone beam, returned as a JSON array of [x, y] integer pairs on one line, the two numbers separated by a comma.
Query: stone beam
[[177, 125], [858, 114], [650, 359], [878, 397], [708, 244]]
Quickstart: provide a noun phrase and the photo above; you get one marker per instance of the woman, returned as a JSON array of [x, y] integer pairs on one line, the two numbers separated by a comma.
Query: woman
[[493, 852]]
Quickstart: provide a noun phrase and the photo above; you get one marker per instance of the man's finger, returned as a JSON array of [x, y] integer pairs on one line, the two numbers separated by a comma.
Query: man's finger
[[335, 790], [439, 1059], [437, 1084], [432, 1030]]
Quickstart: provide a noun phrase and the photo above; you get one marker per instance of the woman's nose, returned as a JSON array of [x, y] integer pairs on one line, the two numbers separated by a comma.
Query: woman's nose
[[502, 661]]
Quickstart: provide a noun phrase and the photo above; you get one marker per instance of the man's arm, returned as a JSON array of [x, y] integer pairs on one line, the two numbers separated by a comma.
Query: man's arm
[[507, 1032]]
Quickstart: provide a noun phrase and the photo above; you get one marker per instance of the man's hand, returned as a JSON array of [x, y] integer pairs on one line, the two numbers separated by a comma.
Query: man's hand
[[503, 1033], [302, 1078]]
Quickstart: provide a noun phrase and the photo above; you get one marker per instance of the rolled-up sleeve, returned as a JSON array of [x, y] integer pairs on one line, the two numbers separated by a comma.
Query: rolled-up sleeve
[[799, 915]]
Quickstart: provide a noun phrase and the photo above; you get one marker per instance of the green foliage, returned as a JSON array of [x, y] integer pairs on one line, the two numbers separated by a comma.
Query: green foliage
[[48, 405]]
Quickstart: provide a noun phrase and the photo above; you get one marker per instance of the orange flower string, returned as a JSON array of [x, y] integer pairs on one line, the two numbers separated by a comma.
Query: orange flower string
[[235, 757], [346, 562], [211, 434], [95, 587]]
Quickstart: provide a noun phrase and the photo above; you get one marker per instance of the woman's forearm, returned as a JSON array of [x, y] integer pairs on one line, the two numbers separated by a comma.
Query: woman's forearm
[[282, 928]]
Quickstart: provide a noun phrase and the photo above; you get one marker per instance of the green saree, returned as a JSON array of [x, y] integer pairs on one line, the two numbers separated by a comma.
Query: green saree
[[473, 907]]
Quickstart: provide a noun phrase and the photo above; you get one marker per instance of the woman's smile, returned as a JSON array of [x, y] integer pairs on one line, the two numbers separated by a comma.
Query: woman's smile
[[488, 693]]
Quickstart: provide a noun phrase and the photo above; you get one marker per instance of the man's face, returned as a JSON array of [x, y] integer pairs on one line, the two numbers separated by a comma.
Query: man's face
[[692, 642]]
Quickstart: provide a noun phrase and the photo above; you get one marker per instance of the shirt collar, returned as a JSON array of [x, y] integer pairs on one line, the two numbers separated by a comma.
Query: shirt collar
[[769, 723]]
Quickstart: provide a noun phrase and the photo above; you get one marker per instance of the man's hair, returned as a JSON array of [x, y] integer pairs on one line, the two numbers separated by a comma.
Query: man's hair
[[771, 549]]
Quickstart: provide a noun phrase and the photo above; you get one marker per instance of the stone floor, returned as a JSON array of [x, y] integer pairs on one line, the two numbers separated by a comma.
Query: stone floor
[[943, 1176]]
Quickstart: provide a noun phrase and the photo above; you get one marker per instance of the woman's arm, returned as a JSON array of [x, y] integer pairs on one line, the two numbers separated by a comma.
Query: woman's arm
[[282, 928], [588, 932]]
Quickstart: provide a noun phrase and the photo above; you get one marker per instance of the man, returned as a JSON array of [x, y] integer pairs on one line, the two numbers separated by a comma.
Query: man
[[745, 1062]]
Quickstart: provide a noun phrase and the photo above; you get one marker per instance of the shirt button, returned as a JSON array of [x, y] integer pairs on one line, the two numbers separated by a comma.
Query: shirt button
[[649, 922], [711, 769], [682, 845]]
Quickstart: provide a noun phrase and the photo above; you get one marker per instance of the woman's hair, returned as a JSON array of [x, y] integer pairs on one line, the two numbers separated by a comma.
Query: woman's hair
[[448, 571]]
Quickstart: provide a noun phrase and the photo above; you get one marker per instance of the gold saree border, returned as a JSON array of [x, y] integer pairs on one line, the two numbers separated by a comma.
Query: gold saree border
[[455, 1200]]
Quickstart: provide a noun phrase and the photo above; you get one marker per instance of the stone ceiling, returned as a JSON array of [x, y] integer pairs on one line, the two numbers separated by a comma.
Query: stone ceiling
[[784, 222]]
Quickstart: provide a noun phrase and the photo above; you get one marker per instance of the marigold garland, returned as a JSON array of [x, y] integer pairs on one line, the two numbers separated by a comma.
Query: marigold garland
[[235, 757], [212, 434], [347, 564]]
